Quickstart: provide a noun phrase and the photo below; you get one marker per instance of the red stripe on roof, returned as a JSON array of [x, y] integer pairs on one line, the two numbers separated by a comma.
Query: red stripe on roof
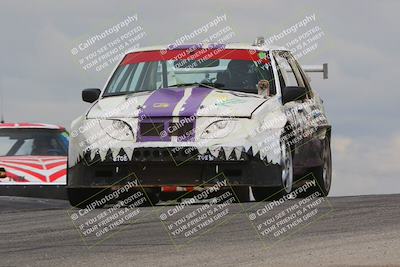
[[150, 56]]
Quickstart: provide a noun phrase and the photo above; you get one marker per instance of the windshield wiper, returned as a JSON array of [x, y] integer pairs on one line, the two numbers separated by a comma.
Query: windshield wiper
[[128, 93], [205, 84]]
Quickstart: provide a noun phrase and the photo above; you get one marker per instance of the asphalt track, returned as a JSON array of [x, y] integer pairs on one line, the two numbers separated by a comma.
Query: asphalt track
[[354, 231]]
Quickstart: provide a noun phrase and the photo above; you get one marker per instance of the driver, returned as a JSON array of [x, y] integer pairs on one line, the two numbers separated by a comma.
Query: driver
[[241, 75], [41, 146]]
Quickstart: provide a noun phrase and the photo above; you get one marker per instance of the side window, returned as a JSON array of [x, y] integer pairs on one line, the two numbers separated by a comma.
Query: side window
[[63, 138], [289, 72], [286, 71], [303, 76], [295, 70]]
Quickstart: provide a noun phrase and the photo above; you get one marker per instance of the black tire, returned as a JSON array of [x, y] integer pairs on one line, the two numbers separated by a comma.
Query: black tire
[[322, 173], [153, 195], [275, 193], [81, 197], [266, 193], [167, 196], [242, 193]]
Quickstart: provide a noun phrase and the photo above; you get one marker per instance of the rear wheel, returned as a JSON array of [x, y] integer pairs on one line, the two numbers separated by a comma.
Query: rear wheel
[[274, 193]]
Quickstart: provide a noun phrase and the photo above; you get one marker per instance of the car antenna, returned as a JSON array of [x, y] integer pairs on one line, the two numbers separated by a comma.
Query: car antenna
[[1, 106]]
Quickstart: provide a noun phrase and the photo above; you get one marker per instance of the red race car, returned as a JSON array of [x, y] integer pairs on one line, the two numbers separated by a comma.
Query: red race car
[[33, 159]]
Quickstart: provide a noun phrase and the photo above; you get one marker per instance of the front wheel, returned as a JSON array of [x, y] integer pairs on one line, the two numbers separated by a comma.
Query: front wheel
[[152, 197], [242, 193], [274, 193], [81, 197], [322, 174]]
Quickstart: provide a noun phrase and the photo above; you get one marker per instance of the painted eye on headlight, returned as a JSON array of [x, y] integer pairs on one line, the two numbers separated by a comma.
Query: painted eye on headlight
[[117, 129], [221, 124], [218, 129], [119, 125]]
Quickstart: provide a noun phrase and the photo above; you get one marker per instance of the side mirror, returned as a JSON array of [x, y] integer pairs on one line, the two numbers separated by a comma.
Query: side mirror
[[90, 95], [292, 93]]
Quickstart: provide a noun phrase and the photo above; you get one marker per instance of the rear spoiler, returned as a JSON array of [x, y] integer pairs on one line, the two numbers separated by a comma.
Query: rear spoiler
[[315, 68]]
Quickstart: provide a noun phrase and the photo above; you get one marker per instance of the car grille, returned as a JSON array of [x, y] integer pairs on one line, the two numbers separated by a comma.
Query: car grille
[[155, 129], [180, 129], [151, 128]]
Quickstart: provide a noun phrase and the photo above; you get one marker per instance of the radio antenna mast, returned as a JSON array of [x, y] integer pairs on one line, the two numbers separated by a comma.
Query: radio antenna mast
[[1, 105]]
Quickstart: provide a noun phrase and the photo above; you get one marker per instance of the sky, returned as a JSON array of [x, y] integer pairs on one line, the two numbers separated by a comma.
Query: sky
[[41, 79]]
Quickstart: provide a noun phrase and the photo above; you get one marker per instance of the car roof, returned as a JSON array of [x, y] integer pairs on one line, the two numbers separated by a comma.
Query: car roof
[[28, 125], [245, 46]]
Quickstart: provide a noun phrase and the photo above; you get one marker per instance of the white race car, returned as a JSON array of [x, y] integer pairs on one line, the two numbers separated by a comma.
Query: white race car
[[33, 159], [183, 118]]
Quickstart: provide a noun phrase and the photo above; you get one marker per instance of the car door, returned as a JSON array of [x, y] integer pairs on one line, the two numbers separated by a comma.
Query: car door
[[296, 111], [303, 115]]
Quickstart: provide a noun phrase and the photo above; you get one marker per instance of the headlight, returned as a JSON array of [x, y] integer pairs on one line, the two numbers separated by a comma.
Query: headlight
[[218, 129], [117, 129]]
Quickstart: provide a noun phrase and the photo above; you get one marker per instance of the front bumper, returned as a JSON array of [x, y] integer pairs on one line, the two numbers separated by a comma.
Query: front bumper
[[155, 167]]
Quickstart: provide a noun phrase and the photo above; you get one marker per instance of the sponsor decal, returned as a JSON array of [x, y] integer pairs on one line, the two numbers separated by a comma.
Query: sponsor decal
[[160, 105]]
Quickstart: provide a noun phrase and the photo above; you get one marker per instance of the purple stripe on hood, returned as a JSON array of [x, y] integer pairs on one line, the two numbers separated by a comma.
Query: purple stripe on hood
[[161, 103], [191, 106], [194, 101]]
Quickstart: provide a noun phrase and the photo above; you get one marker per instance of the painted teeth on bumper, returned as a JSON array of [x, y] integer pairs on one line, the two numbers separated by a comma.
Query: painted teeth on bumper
[[158, 171], [177, 154]]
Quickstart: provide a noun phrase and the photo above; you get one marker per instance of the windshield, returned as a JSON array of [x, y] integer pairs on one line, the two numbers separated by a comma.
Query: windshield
[[33, 142], [237, 70]]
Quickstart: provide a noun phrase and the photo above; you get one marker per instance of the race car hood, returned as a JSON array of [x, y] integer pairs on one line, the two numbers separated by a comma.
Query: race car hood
[[28, 170], [178, 102]]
